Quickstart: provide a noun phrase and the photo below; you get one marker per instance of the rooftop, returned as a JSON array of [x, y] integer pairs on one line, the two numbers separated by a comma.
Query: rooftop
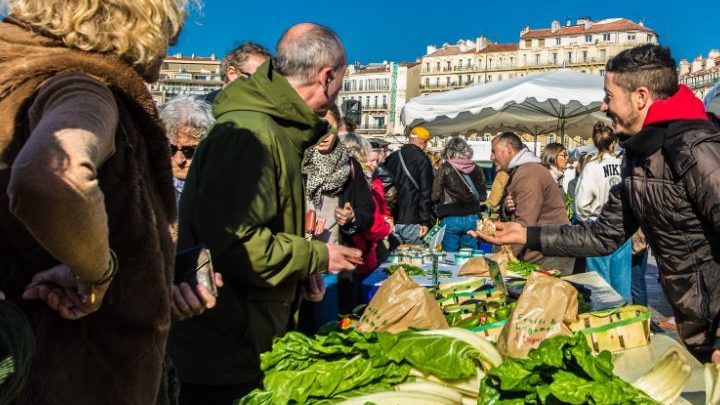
[[608, 25]]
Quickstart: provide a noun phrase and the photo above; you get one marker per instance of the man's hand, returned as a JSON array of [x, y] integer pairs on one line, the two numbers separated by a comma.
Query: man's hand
[[509, 205], [186, 303], [423, 231], [58, 287], [342, 258], [344, 215], [506, 233], [314, 288]]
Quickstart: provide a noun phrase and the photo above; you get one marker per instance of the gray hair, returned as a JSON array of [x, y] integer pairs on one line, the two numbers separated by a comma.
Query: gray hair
[[457, 148], [357, 146], [185, 110], [302, 56]]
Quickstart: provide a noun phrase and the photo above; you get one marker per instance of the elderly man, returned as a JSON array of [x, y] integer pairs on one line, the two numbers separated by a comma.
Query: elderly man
[[536, 196], [244, 200], [413, 177], [670, 189], [240, 63]]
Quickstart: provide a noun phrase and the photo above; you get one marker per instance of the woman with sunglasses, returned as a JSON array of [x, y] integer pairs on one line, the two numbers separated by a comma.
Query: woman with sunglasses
[[555, 158], [187, 120], [600, 174]]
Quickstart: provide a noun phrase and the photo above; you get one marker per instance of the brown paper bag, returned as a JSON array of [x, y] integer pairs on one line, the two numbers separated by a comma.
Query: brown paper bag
[[545, 309], [503, 257], [477, 267], [399, 304]]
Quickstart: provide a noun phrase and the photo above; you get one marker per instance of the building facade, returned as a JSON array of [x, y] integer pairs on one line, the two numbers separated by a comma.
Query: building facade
[[700, 74], [382, 90], [585, 46], [180, 74]]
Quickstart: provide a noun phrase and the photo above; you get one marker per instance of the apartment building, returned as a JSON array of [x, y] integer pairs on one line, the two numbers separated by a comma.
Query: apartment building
[[196, 75], [382, 89], [701, 74], [585, 46]]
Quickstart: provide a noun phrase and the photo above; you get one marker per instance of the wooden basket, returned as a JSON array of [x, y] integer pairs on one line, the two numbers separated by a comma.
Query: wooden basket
[[615, 329]]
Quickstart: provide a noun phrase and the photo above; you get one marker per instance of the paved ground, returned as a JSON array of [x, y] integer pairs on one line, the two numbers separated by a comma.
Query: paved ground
[[662, 314]]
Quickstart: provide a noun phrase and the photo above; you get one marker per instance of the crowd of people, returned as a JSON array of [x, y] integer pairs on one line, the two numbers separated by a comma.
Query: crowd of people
[[101, 189]]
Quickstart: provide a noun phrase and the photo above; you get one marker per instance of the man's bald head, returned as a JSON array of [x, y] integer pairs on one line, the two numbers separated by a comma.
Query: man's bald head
[[304, 49]]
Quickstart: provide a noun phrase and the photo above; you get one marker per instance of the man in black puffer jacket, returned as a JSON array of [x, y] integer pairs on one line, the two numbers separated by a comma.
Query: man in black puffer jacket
[[670, 189]]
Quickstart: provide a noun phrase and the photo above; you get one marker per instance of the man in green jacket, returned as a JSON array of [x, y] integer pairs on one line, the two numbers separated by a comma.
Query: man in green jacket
[[244, 200]]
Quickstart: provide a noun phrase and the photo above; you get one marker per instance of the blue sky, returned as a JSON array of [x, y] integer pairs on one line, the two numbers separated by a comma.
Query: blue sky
[[373, 31]]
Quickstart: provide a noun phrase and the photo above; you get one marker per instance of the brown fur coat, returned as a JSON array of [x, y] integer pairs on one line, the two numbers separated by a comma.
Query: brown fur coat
[[115, 355]]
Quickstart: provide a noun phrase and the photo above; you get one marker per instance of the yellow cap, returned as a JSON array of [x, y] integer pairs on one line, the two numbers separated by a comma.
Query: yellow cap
[[420, 132]]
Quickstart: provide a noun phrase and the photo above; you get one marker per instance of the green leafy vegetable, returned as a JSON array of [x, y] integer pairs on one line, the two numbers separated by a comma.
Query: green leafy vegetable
[[561, 370], [522, 269], [409, 270], [325, 369]]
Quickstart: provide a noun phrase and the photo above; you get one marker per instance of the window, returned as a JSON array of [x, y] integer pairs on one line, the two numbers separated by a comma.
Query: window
[[631, 37], [554, 57], [448, 65], [557, 41], [606, 36], [427, 82], [584, 56], [469, 79], [588, 38], [650, 37], [447, 80], [489, 79], [459, 82], [354, 85], [346, 85], [512, 61], [541, 43], [437, 66], [361, 85], [437, 81], [427, 66], [524, 59], [378, 122], [569, 57], [537, 59], [343, 100], [602, 72], [469, 62], [367, 101], [603, 54], [489, 63], [376, 102], [528, 43], [460, 63], [384, 103]]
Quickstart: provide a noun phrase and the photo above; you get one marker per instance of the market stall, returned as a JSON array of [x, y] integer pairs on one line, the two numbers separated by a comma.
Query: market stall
[[476, 327]]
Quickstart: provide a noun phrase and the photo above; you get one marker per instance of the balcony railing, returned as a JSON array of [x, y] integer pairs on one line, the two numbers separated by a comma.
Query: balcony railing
[[374, 127], [366, 90], [371, 107]]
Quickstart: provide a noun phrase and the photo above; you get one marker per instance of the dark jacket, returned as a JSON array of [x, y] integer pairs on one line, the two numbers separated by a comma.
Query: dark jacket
[[244, 200], [452, 195], [671, 190], [357, 192], [414, 204]]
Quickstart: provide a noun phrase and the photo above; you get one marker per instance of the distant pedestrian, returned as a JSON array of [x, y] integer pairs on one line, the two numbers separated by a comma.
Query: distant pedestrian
[[240, 63]]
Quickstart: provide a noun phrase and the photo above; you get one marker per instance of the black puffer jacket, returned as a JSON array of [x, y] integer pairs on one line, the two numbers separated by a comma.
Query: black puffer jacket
[[452, 195], [671, 190], [413, 205]]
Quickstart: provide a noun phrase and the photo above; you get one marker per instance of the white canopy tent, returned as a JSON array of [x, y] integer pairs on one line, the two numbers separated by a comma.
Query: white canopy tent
[[560, 102], [712, 100]]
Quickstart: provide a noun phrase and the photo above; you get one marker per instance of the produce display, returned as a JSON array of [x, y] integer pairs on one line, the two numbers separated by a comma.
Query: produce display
[[377, 367], [561, 370], [478, 314], [522, 269], [409, 269]]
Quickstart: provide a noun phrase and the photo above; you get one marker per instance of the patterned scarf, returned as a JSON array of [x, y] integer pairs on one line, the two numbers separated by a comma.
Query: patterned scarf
[[326, 174]]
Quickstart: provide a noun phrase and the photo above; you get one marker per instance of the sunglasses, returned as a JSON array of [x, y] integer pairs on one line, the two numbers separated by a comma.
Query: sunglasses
[[188, 150]]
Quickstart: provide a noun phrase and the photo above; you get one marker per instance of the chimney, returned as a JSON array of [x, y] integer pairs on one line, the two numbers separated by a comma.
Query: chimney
[[481, 43], [641, 23], [555, 26], [525, 30], [568, 22], [684, 67], [431, 49], [462, 46], [714, 53], [697, 64], [585, 21]]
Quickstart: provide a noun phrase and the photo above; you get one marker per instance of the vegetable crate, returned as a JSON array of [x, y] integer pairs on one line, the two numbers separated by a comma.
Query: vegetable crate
[[490, 331], [615, 329]]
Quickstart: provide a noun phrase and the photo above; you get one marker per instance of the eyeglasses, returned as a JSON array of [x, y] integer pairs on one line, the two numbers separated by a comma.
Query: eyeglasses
[[562, 154], [188, 150]]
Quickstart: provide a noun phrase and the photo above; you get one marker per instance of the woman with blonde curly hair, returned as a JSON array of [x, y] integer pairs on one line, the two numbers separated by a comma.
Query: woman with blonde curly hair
[[86, 196]]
